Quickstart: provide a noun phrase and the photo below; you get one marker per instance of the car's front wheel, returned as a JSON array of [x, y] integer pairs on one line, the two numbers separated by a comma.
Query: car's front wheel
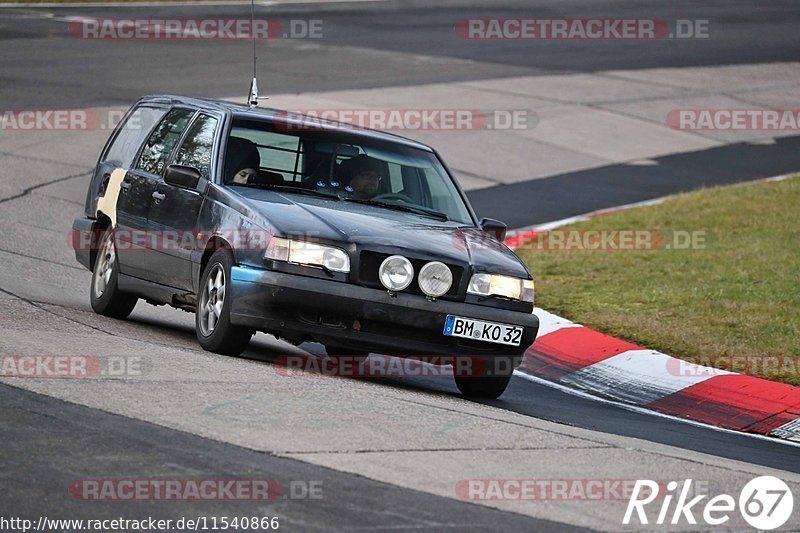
[[481, 377], [105, 296], [215, 332], [491, 387]]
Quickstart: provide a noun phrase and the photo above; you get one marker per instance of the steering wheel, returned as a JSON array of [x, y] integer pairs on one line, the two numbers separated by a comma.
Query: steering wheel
[[394, 196]]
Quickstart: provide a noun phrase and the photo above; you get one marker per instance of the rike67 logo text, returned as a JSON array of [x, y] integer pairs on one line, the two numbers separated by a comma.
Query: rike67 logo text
[[765, 503]]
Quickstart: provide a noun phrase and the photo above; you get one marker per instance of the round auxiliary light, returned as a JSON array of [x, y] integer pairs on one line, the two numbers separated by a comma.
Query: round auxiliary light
[[396, 273], [435, 279]]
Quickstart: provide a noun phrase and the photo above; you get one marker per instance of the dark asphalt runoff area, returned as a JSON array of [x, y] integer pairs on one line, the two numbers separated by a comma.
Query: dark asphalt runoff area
[[49, 443]]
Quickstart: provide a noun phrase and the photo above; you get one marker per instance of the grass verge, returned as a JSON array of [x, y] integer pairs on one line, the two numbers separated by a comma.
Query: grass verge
[[730, 300]]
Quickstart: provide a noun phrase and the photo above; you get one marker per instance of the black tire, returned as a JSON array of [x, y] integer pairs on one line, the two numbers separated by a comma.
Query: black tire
[[105, 296], [491, 387], [485, 377], [220, 337]]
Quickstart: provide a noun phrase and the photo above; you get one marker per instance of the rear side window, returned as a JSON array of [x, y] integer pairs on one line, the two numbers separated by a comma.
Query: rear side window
[[164, 138], [196, 148], [279, 154], [130, 136]]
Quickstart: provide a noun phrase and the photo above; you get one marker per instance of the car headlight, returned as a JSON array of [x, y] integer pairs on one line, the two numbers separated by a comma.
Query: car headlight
[[396, 273], [505, 286], [435, 279], [308, 253]]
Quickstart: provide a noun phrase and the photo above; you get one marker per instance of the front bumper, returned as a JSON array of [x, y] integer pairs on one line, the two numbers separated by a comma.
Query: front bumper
[[362, 318]]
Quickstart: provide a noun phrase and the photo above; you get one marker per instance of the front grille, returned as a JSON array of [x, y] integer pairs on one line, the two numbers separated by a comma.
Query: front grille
[[370, 262]]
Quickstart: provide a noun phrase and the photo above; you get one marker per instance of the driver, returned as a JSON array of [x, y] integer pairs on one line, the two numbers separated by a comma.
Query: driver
[[365, 176]]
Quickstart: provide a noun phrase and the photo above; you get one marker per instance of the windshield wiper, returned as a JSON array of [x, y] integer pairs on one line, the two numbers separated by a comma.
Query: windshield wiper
[[419, 210]]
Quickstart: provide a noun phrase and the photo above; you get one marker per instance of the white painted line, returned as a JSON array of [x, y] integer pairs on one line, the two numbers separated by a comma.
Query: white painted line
[[70, 19], [782, 177], [655, 201], [640, 376], [641, 410], [580, 218]]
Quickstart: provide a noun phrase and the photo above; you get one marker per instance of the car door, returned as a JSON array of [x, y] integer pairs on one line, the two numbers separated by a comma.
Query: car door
[[134, 238], [174, 210], [122, 149]]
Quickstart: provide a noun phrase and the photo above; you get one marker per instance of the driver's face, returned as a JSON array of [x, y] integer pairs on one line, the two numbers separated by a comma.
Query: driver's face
[[365, 184], [244, 176]]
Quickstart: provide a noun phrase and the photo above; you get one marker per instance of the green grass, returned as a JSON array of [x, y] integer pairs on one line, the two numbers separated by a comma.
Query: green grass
[[737, 295]]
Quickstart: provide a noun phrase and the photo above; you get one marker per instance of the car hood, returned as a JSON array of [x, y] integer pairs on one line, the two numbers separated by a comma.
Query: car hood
[[383, 230]]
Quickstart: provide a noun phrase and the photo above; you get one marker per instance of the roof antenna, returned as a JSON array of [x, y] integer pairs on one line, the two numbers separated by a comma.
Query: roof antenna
[[252, 99]]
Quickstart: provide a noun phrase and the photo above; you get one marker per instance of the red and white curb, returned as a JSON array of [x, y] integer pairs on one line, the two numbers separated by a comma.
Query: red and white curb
[[579, 358]]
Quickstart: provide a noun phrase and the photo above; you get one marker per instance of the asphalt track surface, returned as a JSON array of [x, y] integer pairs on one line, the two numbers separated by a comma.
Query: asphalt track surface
[[49, 443], [46, 431], [44, 66]]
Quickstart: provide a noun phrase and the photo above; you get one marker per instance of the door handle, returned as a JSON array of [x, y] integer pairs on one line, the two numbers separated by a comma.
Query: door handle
[[157, 196]]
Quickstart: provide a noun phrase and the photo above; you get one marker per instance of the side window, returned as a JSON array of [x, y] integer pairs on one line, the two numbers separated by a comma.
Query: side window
[[131, 134], [278, 154], [198, 145], [160, 144]]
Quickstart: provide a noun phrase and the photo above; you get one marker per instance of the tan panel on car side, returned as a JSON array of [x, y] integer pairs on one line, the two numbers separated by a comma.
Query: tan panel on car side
[[107, 204]]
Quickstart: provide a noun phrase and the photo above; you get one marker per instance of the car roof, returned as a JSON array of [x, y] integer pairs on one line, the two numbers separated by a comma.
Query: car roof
[[261, 113]]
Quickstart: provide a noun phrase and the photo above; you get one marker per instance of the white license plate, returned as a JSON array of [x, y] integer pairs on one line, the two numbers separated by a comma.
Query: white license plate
[[478, 330]]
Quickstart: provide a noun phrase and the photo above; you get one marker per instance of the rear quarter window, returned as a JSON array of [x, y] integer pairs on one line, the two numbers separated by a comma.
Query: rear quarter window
[[131, 134], [281, 154], [163, 139]]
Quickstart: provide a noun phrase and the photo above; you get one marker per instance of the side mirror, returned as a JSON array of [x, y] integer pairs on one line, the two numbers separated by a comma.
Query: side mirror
[[494, 227], [183, 177]]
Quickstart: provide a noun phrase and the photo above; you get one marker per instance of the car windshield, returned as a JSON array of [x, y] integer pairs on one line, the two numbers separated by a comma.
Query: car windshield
[[343, 166]]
